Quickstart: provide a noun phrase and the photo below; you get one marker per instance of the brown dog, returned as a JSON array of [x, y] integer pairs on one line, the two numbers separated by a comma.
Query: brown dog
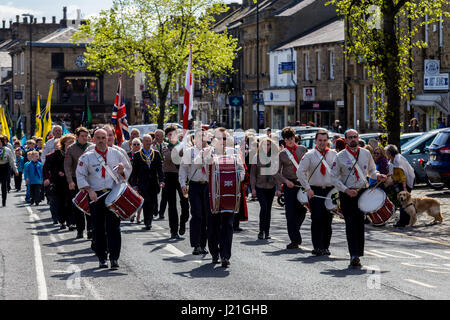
[[415, 206]]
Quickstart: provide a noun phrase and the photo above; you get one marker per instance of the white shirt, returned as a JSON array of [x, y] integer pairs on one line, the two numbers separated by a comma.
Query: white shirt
[[311, 162], [191, 166], [8, 157], [89, 169], [92, 147], [343, 174], [48, 148]]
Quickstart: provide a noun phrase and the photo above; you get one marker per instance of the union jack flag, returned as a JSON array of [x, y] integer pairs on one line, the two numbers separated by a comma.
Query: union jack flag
[[119, 116]]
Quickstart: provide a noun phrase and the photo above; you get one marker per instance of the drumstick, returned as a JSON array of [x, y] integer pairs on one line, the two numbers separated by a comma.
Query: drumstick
[[91, 202], [374, 187]]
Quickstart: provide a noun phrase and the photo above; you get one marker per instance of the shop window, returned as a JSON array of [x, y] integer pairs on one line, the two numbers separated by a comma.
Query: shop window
[[58, 60], [74, 90]]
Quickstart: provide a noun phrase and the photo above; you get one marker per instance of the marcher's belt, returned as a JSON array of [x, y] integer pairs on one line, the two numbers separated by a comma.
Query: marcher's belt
[[322, 187], [200, 182], [102, 191]]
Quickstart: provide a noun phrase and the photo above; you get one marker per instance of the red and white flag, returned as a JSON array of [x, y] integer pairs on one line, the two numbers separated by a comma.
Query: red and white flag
[[188, 94]]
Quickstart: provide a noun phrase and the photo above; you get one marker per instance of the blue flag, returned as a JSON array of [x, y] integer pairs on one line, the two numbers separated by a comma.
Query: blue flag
[[64, 129], [23, 142]]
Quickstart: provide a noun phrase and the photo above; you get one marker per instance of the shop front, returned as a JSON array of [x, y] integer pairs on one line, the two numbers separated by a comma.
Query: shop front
[[321, 113], [428, 108], [281, 106]]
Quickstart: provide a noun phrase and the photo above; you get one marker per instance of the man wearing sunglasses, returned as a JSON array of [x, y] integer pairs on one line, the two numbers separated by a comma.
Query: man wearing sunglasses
[[349, 174]]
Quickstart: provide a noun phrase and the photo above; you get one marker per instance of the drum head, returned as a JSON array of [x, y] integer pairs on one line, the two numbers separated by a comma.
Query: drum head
[[371, 200], [115, 193], [302, 196], [329, 201]]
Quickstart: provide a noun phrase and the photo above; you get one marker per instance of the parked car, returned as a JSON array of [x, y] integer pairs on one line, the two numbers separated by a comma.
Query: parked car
[[144, 128], [367, 136], [416, 152], [438, 167], [307, 129], [404, 138]]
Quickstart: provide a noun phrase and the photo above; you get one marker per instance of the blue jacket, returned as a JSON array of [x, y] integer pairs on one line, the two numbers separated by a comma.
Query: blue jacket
[[33, 172], [20, 162]]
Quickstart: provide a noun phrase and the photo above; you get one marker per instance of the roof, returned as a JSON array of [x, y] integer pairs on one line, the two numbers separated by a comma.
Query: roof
[[60, 38], [5, 45], [294, 8], [5, 59], [332, 31]]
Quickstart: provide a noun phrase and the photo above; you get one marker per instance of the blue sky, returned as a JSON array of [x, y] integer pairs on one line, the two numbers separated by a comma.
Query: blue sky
[[48, 8]]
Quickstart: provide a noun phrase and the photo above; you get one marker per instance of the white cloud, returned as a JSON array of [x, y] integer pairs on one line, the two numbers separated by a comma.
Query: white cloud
[[9, 12]]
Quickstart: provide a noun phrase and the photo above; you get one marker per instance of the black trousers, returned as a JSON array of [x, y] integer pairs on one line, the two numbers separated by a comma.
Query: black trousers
[[64, 210], [173, 187], [35, 192], [295, 214], [81, 220], [4, 177], [200, 211], [321, 219], [53, 201], [404, 217], [354, 223], [106, 230], [265, 199], [18, 181], [150, 205], [162, 203], [220, 234]]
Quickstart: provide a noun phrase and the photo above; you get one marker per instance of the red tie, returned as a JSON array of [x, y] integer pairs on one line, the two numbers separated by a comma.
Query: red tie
[[323, 170], [355, 155], [103, 154], [292, 150]]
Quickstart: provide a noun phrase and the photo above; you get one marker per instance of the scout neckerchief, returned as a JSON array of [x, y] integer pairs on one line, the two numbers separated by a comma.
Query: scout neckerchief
[[356, 156], [293, 153], [323, 169], [103, 154]]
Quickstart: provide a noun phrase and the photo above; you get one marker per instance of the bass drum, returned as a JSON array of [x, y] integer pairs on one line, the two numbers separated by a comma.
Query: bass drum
[[376, 205], [124, 201]]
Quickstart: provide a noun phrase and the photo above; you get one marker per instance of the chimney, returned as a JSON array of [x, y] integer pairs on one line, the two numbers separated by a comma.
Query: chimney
[[17, 18], [10, 23], [25, 20], [35, 20], [4, 23], [43, 19], [65, 13], [78, 14], [53, 19]]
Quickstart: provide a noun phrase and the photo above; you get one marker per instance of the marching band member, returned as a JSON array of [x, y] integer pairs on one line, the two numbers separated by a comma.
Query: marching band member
[[148, 178], [349, 174], [172, 185], [264, 185], [73, 154], [289, 158], [314, 176], [97, 172], [7, 163], [193, 174], [159, 144], [220, 225]]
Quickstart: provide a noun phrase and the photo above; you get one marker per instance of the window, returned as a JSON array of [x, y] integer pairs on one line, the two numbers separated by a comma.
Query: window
[[73, 89], [366, 105], [441, 33], [318, 64], [22, 88], [15, 63], [306, 65], [22, 63], [58, 60], [426, 28], [331, 67]]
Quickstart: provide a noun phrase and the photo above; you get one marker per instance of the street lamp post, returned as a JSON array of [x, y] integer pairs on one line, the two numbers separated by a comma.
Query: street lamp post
[[31, 65], [257, 66]]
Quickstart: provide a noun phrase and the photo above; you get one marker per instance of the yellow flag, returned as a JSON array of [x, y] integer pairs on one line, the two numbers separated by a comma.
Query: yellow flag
[[5, 128], [2, 131], [38, 130], [47, 117]]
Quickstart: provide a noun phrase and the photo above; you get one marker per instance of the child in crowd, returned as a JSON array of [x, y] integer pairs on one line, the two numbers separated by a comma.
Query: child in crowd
[[27, 163], [20, 163], [34, 177]]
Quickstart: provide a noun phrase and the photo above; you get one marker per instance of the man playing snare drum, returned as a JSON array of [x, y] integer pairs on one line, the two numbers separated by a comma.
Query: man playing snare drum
[[314, 175], [349, 174], [97, 172]]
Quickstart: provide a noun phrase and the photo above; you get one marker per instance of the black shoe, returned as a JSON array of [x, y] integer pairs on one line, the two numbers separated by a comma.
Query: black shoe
[[203, 251], [398, 225], [182, 229], [62, 227], [89, 235], [155, 214], [293, 245], [102, 264], [72, 228], [355, 262], [225, 263], [175, 236], [215, 260], [326, 252], [317, 252], [147, 228], [161, 218], [80, 235], [267, 236], [93, 246], [197, 251], [114, 265], [261, 235], [238, 229], [55, 222]]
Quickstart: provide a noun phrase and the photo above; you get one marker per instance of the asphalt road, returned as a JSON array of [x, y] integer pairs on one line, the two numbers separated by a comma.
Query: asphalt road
[[39, 261]]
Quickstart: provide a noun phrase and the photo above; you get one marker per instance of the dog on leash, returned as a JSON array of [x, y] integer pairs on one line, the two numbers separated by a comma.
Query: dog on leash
[[415, 206]]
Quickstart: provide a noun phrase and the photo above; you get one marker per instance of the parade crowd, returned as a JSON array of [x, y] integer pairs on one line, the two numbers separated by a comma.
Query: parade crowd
[[170, 162]]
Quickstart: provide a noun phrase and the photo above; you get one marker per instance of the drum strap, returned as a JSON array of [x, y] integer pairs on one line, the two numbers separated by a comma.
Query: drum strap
[[355, 165], [107, 168], [291, 157]]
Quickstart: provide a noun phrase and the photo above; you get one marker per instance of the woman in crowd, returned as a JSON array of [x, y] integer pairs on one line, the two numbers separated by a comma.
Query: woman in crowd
[[263, 183], [413, 126], [7, 163], [403, 176]]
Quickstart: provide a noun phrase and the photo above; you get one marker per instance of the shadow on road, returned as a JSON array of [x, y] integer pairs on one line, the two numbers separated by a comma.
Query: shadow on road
[[205, 271]]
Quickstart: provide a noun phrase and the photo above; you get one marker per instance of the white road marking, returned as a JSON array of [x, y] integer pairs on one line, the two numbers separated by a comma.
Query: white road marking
[[68, 295], [420, 283], [408, 255], [175, 252], [40, 276], [436, 271], [433, 254], [374, 254]]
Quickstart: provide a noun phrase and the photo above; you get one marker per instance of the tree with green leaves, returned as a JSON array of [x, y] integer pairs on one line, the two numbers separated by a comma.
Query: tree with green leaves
[[381, 34], [153, 36]]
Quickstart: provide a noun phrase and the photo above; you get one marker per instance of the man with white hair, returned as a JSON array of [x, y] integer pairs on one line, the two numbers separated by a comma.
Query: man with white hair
[[126, 145], [50, 145]]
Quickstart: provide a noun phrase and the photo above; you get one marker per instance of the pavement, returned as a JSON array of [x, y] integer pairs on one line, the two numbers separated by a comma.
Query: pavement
[[40, 262]]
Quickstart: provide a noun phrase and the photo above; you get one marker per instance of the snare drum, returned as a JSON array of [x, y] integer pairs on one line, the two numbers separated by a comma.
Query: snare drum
[[331, 202], [376, 205], [224, 185], [302, 196], [81, 201], [124, 201]]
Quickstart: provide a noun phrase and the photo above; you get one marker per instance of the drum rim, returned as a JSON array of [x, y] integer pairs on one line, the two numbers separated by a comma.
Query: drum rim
[[372, 190], [122, 187]]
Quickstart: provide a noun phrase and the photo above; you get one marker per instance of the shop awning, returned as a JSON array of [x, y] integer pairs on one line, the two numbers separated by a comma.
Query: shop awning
[[438, 100]]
